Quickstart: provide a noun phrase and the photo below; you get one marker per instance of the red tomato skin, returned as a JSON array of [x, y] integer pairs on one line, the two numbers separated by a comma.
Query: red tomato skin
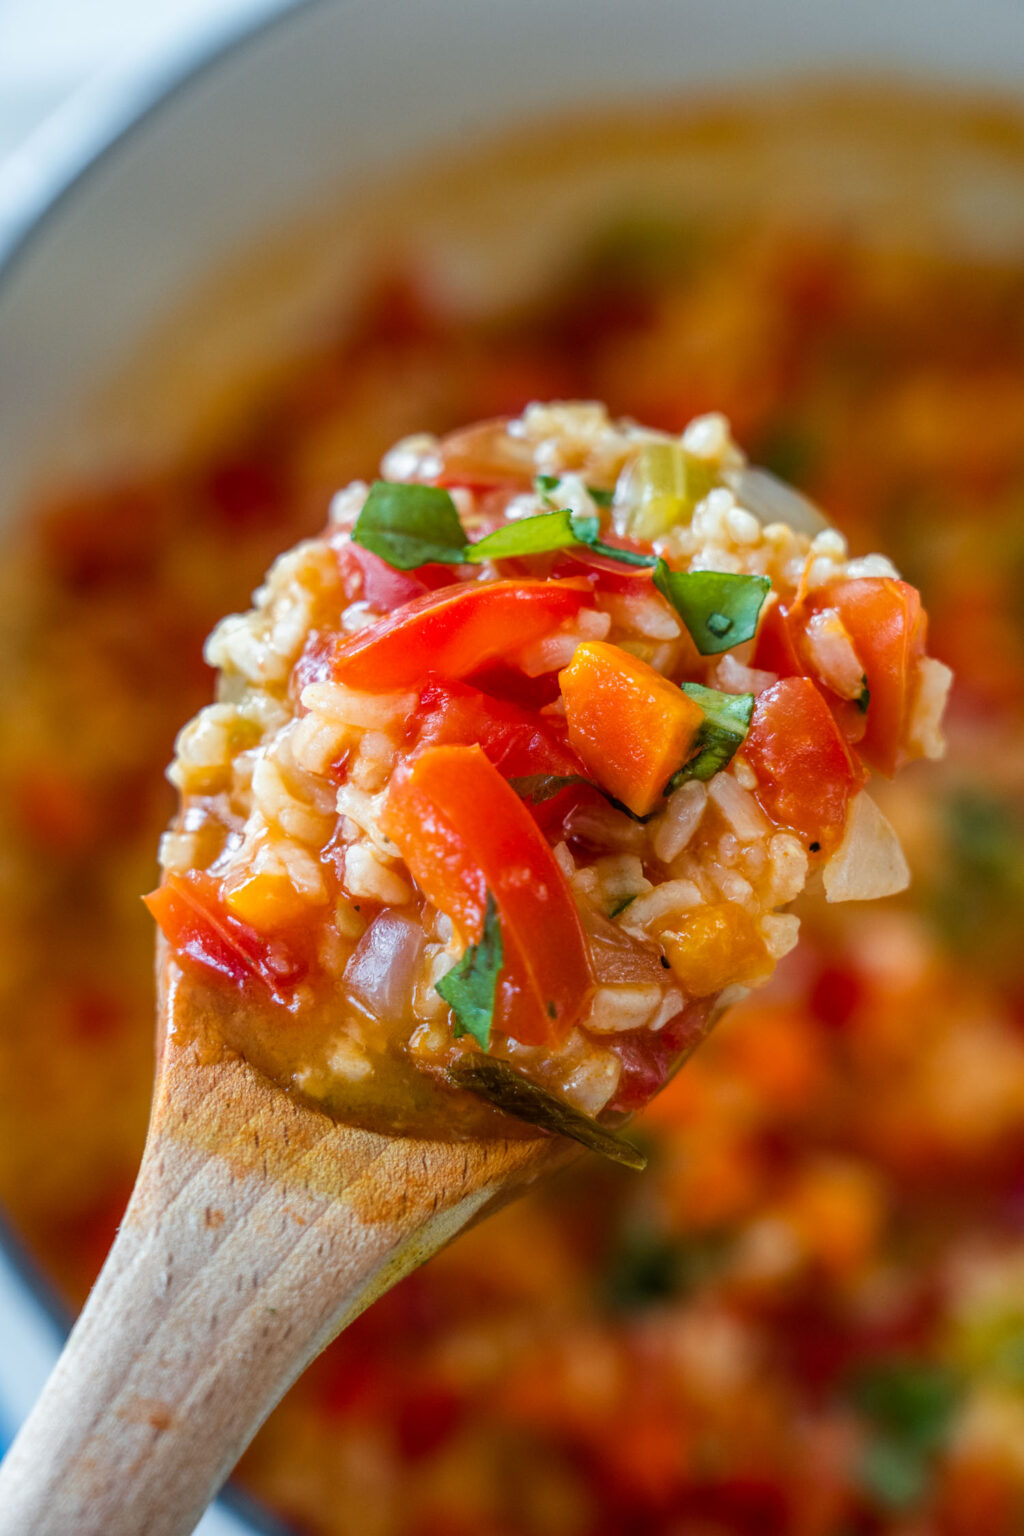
[[454, 632], [888, 628], [806, 772], [463, 832], [775, 648], [517, 741], [370, 578], [188, 911], [605, 573], [650, 1057]]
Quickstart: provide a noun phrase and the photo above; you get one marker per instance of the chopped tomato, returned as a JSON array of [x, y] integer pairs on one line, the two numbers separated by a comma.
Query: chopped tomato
[[501, 681], [454, 632], [631, 726], [888, 627], [484, 456], [191, 917], [775, 646], [517, 741], [380, 585], [604, 572], [463, 832], [649, 1057], [806, 772]]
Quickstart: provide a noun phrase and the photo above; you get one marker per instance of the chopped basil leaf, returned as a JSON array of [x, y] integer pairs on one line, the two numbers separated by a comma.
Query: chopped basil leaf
[[893, 1474], [413, 525], [410, 525], [538, 787], [909, 1406], [647, 1266], [912, 1400], [719, 608], [470, 987], [726, 722], [500, 1084], [626, 556], [863, 698], [534, 536], [547, 531], [545, 484]]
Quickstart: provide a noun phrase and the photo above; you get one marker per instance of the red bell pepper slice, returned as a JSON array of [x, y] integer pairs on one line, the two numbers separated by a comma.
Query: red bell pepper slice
[[888, 628], [453, 632], [463, 832], [806, 772], [190, 915]]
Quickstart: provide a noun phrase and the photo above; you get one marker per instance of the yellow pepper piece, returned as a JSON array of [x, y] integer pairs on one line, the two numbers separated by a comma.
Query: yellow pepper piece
[[266, 901], [632, 728], [714, 948]]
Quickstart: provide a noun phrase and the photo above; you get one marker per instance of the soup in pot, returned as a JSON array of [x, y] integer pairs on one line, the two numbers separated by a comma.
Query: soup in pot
[[806, 1316]]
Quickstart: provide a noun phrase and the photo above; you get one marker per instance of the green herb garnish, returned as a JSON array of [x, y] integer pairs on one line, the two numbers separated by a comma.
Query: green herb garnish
[[648, 1266], [414, 525], [500, 1084], [909, 1406], [727, 719], [410, 525], [538, 787], [620, 906], [719, 608], [470, 987], [535, 536], [863, 698]]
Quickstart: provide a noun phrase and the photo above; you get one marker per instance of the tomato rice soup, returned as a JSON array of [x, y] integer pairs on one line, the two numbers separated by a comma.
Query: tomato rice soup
[[805, 1319], [524, 755]]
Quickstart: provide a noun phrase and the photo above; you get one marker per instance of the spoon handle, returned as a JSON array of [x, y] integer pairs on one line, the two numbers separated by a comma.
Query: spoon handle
[[256, 1231]]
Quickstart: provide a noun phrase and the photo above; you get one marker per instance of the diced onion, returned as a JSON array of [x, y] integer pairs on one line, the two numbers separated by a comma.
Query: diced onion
[[869, 861], [773, 501], [382, 969]]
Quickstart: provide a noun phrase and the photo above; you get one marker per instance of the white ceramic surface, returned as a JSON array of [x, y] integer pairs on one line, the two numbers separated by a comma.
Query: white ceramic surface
[[104, 221]]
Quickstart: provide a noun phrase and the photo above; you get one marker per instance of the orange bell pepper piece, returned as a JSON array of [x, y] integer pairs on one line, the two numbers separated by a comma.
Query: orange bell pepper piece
[[632, 727]]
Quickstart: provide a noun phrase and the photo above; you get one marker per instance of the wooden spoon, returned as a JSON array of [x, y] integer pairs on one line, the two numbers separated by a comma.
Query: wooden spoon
[[258, 1228]]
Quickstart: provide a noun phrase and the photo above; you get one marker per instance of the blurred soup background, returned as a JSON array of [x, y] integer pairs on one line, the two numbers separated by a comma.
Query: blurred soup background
[[807, 1319]]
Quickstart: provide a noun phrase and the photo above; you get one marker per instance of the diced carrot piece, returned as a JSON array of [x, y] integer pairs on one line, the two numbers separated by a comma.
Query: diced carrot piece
[[266, 901], [632, 727], [716, 947]]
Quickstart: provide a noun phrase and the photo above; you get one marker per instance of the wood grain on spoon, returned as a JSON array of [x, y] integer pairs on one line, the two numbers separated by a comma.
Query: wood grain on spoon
[[258, 1229]]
